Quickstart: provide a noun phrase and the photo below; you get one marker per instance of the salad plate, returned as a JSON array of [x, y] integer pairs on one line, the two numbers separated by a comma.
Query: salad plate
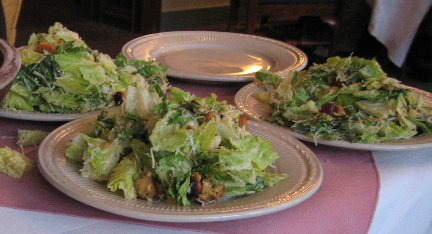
[[303, 170], [64, 79], [246, 100], [43, 117], [215, 56]]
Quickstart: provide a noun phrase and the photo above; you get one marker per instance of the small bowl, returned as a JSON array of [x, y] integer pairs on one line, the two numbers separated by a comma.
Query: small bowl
[[10, 65]]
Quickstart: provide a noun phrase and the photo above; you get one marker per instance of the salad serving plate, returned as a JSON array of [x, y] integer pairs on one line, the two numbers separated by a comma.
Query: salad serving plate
[[303, 169], [43, 117], [247, 102], [216, 56]]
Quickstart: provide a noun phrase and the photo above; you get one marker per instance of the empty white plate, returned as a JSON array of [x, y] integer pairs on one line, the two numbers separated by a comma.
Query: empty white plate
[[216, 56]]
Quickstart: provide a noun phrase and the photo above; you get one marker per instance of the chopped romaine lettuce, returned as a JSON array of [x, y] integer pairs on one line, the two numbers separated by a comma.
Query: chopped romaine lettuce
[[30, 137], [174, 170], [140, 100], [179, 147], [123, 177], [100, 158], [61, 74], [76, 147], [13, 163], [29, 56], [169, 136], [348, 99], [206, 137]]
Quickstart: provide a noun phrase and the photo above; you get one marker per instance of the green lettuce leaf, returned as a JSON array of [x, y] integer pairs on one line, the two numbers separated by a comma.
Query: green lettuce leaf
[[169, 136], [123, 177], [140, 100], [76, 147], [178, 96], [141, 152], [30, 137], [239, 169], [100, 158], [13, 163], [206, 137], [14, 101], [29, 56], [268, 79], [174, 170]]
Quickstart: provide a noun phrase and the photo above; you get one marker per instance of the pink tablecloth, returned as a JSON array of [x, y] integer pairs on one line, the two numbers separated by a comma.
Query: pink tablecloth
[[344, 204]]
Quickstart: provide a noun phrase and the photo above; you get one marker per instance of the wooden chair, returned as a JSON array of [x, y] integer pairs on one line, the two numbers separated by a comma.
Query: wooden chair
[[263, 13]]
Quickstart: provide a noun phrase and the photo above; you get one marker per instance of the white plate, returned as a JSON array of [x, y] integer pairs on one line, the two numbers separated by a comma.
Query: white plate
[[45, 117], [295, 159], [37, 116], [216, 56], [246, 101]]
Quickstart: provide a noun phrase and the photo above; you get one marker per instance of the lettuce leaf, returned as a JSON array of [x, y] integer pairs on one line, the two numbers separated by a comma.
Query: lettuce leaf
[[13, 163], [30, 137], [171, 141], [174, 170], [168, 136], [69, 77], [29, 56], [76, 147], [100, 158], [206, 137], [123, 177], [349, 99]]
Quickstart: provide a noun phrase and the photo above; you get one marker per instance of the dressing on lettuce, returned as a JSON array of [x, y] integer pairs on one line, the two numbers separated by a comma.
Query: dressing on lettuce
[[179, 148], [349, 99], [61, 74]]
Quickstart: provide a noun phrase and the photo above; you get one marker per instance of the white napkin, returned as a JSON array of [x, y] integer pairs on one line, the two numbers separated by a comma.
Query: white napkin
[[395, 22]]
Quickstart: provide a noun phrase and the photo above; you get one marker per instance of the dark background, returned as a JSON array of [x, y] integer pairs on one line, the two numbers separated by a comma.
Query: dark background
[[108, 33]]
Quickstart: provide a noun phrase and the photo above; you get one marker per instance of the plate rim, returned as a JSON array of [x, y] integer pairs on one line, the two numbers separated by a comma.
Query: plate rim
[[39, 116], [245, 91], [307, 191], [47, 117], [301, 57]]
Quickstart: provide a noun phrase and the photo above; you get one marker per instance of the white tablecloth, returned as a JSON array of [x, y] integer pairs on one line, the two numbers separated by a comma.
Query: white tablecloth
[[404, 204], [394, 23], [405, 198]]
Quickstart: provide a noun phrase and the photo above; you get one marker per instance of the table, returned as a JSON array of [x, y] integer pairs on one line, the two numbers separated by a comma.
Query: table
[[394, 23], [404, 204], [352, 206]]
